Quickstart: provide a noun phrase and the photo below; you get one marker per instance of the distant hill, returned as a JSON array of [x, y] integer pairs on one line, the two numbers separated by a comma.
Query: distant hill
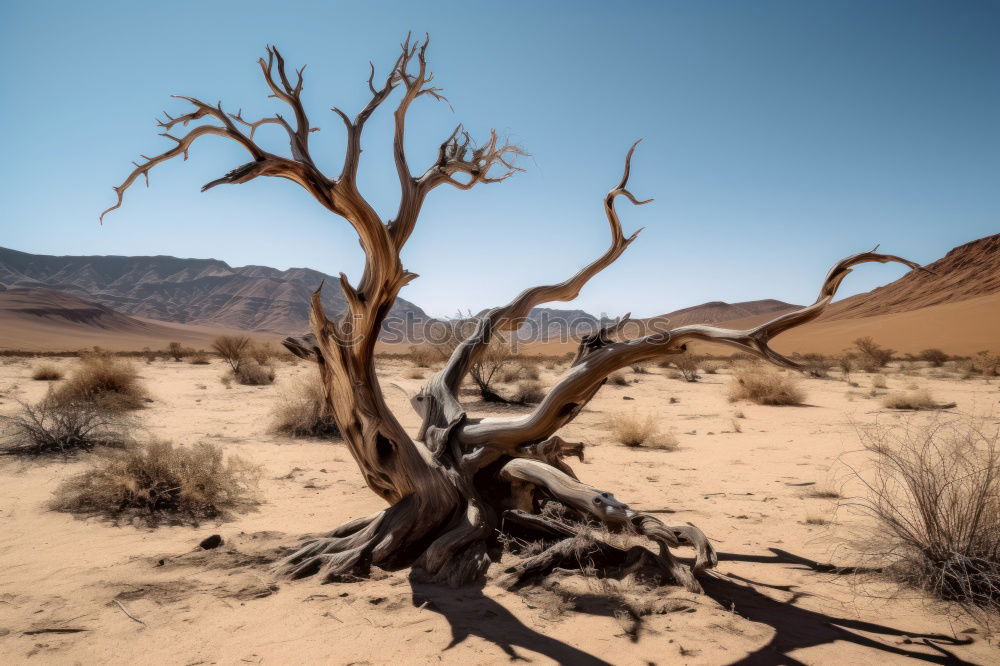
[[204, 292], [36, 319], [718, 312]]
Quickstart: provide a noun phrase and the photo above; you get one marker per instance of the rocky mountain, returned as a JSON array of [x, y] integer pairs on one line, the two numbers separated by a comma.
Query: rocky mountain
[[204, 292]]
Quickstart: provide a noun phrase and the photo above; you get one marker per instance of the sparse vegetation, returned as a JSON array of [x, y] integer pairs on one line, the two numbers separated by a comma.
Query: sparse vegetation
[[249, 372], [157, 480], [423, 356], [232, 349], [102, 380], [910, 399], [935, 492], [764, 386], [618, 379], [633, 430], [62, 428], [687, 365], [177, 351], [872, 356], [303, 412], [46, 372], [935, 357], [529, 392], [199, 358], [878, 382]]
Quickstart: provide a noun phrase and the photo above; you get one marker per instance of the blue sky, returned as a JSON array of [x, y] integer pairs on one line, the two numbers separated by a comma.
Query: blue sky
[[779, 137]]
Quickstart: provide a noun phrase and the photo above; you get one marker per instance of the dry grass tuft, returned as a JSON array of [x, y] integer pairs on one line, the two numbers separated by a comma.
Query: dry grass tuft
[[618, 379], [158, 480], [423, 356], [303, 412], [103, 380], [46, 372], [634, 431], [935, 493], [251, 373], [529, 392], [199, 358], [878, 382], [912, 399], [763, 386], [62, 428], [415, 373]]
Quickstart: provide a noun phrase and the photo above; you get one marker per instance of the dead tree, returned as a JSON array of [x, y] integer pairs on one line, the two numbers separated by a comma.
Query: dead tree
[[458, 483]]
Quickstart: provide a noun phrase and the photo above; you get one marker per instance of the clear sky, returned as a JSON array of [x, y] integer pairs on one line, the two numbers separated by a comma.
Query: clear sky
[[779, 137]]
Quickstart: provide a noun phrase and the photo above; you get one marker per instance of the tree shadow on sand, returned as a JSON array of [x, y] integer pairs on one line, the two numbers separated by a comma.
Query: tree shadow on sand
[[797, 628], [472, 613]]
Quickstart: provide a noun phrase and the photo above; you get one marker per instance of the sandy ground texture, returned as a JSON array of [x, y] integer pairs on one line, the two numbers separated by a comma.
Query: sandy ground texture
[[66, 583]]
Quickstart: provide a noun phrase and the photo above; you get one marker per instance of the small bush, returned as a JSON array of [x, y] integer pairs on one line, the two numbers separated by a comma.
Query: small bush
[[878, 382], [176, 351], [158, 480], [303, 412], [935, 357], [233, 349], [108, 382], [687, 365], [529, 392], [763, 386], [251, 373], [912, 399], [935, 493], [618, 379], [46, 372], [199, 358], [872, 355], [424, 356], [415, 373], [530, 371], [48, 428], [264, 353], [816, 365], [634, 431], [639, 368], [712, 367]]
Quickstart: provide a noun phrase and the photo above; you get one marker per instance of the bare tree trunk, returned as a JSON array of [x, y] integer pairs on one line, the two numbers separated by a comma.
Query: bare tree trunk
[[458, 483]]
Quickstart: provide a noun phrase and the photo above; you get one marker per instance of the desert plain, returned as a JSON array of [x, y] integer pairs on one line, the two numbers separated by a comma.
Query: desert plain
[[772, 487]]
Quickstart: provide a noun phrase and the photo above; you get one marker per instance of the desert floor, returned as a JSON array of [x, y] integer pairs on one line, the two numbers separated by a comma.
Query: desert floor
[[60, 576]]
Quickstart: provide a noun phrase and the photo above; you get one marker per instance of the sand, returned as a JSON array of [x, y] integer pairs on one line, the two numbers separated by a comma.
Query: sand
[[744, 489]]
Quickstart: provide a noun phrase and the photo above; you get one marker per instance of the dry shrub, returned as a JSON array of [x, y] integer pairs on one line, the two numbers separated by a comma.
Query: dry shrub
[[303, 412], [935, 357], [912, 399], [158, 480], [639, 368], [46, 372], [65, 428], [176, 351], [878, 382], [264, 353], [251, 373], [935, 494], [816, 365], [529, 392], [633, 430], [986, 363], [846, 365], [872, 356], [415, 373], [233, 349], [712, 367], [423, 356], [510, 375], [102, 380], [199, 358], [764, 386], [618, 379], [687, 365], [530, 371]]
